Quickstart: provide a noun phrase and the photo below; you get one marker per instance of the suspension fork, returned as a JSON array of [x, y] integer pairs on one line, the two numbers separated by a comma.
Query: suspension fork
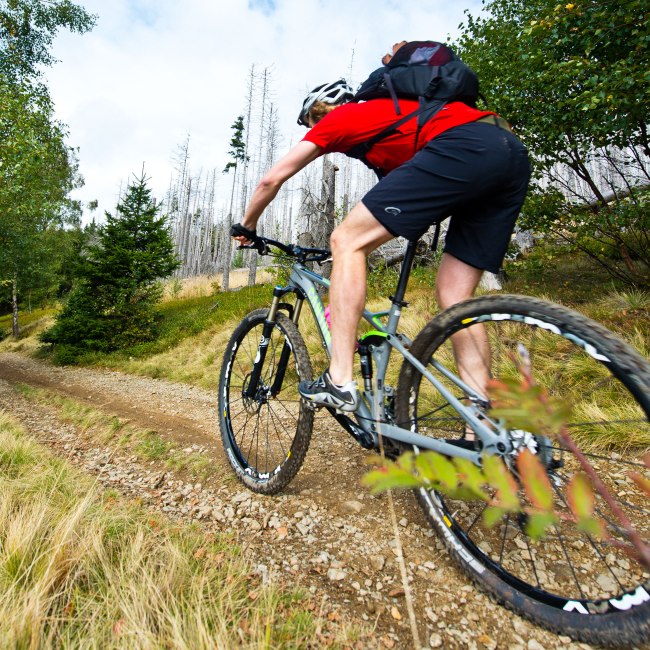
[[267, 330], [286, 350]]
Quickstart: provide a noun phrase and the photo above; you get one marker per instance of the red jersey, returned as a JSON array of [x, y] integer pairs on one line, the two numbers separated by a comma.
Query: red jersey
[[353, 123]]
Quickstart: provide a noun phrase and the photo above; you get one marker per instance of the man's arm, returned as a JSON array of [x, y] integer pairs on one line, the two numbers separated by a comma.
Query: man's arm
[[289, 165]]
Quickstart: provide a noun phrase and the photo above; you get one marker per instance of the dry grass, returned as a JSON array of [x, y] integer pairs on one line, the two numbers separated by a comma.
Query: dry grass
[[195, 360], [208, 285], [632, 300], [82, 568]]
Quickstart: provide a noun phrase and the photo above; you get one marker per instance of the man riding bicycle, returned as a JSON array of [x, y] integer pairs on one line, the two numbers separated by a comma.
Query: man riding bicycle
[[463, 163]]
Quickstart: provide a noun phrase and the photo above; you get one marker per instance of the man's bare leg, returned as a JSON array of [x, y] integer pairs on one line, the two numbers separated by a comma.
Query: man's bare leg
[[351, 242], [457, 281]]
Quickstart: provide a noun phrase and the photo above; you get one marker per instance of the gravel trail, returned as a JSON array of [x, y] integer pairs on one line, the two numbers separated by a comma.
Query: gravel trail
[[325, 532]]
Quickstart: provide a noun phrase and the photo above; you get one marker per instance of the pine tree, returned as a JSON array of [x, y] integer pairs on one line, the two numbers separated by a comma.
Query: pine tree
[[113, 303]]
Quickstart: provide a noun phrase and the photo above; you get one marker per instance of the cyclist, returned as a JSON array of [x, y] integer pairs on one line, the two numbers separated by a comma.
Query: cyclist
[[464, 163]]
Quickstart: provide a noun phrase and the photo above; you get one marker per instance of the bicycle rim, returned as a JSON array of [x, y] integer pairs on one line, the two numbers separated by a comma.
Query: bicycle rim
[[570, 581], [265, 435]]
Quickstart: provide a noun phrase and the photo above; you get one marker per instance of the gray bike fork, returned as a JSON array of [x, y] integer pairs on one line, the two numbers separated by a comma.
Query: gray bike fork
[[267, 330]]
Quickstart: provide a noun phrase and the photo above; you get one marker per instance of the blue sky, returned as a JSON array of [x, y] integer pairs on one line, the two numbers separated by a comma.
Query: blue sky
[[154, 71], [265, 6]]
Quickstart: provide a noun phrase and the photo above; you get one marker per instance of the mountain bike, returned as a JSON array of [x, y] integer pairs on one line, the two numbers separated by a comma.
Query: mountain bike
[[570, 582]]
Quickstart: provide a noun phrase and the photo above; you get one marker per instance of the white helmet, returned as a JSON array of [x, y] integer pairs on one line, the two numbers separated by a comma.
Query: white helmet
[[336, 92]]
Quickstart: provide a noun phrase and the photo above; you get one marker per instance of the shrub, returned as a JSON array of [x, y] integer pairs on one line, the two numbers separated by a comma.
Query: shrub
[[113, 302]]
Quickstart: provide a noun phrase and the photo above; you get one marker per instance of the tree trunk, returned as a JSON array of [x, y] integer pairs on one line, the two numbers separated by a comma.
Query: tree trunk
[[244, 177], [325, 223], [252, 258], [15, 328]]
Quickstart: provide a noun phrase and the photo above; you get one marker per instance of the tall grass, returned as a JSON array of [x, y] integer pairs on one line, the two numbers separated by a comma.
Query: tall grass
[[83, 568]]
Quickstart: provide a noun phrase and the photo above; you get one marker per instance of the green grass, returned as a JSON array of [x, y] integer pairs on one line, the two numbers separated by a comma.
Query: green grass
[[564, 276], [183, 319], [151, 446], [84, 568], [27, 320]]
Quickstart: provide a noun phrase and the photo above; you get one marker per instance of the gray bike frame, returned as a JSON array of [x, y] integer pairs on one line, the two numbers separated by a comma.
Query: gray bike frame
[[370, 413]]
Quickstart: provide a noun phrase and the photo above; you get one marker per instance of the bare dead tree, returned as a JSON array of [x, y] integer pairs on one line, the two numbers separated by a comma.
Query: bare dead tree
[[228, 245], [252, 258], [325, 221], [244, 180]]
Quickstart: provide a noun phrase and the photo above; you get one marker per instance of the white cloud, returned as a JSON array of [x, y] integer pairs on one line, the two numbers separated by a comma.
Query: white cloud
[[153, 71]]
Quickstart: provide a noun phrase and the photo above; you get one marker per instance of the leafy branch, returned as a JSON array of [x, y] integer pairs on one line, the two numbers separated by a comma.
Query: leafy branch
[[522, 487]]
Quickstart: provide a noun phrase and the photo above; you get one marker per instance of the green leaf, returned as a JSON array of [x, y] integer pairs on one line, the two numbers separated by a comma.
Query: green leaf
[[471, 477], [493, 515], [392, 475], [592, 526], [436, 467], [465, 494], [502, 480], [535, 480], [538, 523], [580, 496]]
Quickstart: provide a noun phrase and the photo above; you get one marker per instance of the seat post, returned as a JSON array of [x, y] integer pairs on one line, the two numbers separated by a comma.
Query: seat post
[[407, 264]]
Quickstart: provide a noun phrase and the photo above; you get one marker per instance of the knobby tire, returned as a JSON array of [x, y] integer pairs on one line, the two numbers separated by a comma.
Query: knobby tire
[[569, 582], [266, 436]]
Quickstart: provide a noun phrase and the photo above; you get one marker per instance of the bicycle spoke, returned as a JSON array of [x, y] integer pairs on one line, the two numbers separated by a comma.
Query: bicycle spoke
[[532, 561], [283, 405], [568, 561]]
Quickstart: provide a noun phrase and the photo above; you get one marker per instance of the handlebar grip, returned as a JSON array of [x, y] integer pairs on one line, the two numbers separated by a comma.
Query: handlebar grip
[[237, 230]]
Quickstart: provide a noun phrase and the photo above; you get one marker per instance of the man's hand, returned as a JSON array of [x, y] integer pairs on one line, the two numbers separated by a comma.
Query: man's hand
[[387, 57], [243, 235]]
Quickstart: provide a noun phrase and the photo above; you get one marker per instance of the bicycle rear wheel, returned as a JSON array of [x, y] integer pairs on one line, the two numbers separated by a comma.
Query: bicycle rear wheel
[[266, 435], [570, 582]]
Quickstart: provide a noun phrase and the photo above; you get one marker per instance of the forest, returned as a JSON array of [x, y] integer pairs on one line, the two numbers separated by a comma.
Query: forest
[[574, 97]]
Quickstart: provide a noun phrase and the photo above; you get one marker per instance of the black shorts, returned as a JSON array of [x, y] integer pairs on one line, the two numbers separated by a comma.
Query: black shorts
[[477, 174]]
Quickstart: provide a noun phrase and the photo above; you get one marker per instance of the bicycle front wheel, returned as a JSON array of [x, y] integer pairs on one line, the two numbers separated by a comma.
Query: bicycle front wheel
[[265, 431], [570, 582]]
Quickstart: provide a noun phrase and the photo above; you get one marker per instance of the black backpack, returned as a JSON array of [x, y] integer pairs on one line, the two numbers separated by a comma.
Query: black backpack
[[428, 71]]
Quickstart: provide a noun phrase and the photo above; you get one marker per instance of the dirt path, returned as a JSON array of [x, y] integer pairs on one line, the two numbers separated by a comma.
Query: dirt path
[[325, 532]]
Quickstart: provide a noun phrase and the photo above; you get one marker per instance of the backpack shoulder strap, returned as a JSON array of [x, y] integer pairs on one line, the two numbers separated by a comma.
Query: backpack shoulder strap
[[361, 150]]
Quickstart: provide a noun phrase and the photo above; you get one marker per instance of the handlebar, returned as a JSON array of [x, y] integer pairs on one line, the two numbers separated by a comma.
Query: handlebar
[[263, 244]]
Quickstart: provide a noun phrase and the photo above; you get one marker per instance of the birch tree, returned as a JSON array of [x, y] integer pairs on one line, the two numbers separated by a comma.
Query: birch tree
[[37, 171], [27, 31]]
